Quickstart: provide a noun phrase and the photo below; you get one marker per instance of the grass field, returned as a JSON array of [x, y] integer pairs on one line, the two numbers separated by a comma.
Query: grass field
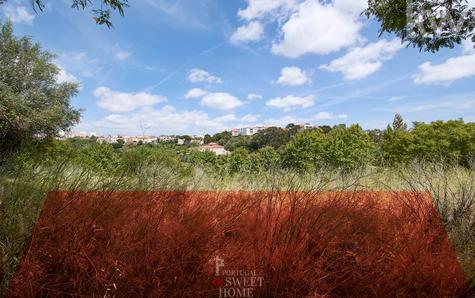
[[452, 190]]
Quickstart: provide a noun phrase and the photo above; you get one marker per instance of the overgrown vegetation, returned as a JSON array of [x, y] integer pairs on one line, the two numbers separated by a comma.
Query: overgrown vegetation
[[85, 165], [435, 157]]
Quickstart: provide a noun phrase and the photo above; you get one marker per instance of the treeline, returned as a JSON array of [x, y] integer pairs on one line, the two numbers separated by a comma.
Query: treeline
[[351, 147], [340, 147]]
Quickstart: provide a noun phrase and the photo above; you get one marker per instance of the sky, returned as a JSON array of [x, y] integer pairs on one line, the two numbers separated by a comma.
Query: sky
[[196, 67]]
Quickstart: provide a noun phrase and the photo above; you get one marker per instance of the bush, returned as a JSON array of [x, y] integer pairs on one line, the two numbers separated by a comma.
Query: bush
[[98, 157], [305, 150], [266, 158], [239, 161], [348, 148]]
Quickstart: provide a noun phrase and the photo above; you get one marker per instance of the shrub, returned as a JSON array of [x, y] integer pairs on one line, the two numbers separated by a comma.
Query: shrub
[[265, 159], [348, 148], [305, 150], [239, 161], [98, 157]]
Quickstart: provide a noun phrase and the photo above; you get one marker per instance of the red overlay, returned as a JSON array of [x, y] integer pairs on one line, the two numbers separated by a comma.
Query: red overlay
[[163, 244]]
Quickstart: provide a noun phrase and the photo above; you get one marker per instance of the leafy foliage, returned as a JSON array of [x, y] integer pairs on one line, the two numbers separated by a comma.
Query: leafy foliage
[[426, 24], [451, 141], [32, 102], [275, 137], [348, 148], [304, 151], [102, 9], [266, 158], [396, 142]]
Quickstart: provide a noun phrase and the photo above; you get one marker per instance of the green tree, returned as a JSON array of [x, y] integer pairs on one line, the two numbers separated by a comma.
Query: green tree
[[426, 24], [98, 157], [32, 102], [118, 144], [221, 138], [273, 136], [102, 10], [293, 129], [397, 143], [265, 158], [348, 148], [236, 142], [304, 151], [207, 139], [325, 128], [451, 141], [239, 160]]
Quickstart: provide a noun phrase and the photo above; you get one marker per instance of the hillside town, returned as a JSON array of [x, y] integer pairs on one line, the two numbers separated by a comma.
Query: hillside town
[[198, 140], [178, 139]]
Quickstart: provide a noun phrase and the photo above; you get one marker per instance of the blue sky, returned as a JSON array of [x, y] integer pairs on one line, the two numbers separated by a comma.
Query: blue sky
[[195, 67]]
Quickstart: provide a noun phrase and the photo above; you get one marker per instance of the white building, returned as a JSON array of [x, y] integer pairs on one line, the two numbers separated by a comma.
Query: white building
[[164, 138], [215, 148], [247, 131], [308, 126]]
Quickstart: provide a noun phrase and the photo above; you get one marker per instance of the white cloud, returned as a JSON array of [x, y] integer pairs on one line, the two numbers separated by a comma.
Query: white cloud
[[468, 46], [293, 76], [290, 102], [122, 55], [197, 75], [261, 8], [353, 7], [396, 98], [451, 70], [65, 77], [360, 62], [283, 121], [18, 14], [252, 96], [226, 118], [221, 101], [317, 28], [248, 33], [80, 64], [233, 118], [329, 116], [195, 93], [166, 120], [120, 102], [250, 118]]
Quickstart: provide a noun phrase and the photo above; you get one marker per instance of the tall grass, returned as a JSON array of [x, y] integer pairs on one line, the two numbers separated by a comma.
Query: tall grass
[[24, 187]]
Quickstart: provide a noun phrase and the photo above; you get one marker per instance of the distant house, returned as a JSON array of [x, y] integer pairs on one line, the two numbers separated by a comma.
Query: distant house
[[247, 131], [307, 126], [215, 148]]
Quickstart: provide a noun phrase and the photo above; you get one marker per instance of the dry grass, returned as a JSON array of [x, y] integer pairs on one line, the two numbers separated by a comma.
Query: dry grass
[[22, 194], [161, 244]]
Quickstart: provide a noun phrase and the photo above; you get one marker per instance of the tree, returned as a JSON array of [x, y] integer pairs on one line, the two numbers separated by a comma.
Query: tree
[[102, 10], [426, 24], [325, 128], [293, 129], [304, 151], [98, 157], [397, 142], [32, 102], [273, 136], [207, 139], [221, 138], [265, 159], [451, 141], [236, 142], [348, 148], [239, 160], [118, 144]]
